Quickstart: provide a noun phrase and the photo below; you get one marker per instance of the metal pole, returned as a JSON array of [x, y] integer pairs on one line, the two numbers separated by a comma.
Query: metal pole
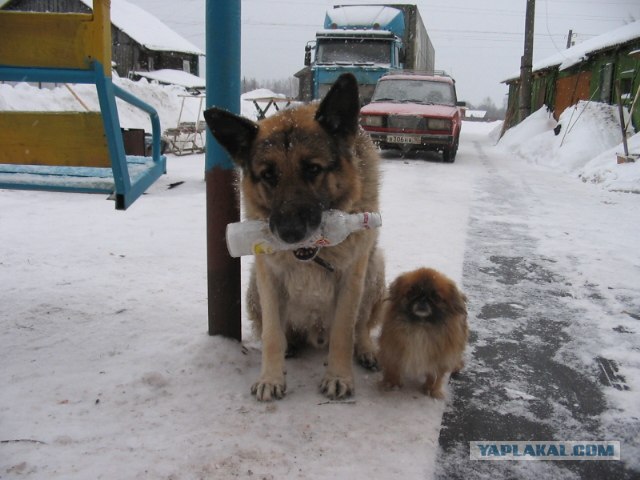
[[223, 90], [527, 61]]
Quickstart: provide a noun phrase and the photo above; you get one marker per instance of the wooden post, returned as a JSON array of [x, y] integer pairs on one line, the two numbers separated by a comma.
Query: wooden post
[[223, 90], [526, 64], [622, 122]]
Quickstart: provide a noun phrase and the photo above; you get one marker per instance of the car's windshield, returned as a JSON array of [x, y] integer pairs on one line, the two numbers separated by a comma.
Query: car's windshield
[[416, 91], [350, 51]]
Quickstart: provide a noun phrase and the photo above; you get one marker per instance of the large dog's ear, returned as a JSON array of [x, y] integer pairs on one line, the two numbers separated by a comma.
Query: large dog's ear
[[338, 112], [236, 134]]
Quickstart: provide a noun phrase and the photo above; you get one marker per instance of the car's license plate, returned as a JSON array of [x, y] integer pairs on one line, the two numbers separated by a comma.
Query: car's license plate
[[402, 139]]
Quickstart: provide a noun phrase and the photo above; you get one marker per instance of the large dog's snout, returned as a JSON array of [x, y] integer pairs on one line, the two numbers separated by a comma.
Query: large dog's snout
[[293, 225]]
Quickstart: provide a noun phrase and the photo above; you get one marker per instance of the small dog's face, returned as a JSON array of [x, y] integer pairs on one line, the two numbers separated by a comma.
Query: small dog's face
[[425, 296]]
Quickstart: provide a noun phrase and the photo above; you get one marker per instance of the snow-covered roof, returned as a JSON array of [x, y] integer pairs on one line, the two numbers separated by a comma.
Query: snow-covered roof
[[475, 113], [261, 93], [572, 56], [146, 29], [174, 77]]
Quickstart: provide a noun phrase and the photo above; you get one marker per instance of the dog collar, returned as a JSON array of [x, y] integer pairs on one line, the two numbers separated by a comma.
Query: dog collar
[[311, 254], [323, 263]]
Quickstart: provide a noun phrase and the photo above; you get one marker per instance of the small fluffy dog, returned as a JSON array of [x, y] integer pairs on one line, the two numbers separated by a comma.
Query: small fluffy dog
[[424, 331]]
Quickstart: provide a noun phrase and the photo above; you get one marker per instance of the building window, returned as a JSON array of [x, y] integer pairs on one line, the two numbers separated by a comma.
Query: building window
[[626, 89]]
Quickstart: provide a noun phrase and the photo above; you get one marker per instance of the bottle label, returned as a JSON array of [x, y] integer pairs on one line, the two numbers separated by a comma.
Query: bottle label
[[262, 248]]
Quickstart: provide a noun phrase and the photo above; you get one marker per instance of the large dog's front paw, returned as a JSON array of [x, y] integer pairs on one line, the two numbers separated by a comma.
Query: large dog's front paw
[[267, 390], [335, 387], [368, 360]]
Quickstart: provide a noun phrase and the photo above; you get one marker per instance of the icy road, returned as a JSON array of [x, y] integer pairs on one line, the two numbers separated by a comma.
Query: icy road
[[552, 275], [107, 370]]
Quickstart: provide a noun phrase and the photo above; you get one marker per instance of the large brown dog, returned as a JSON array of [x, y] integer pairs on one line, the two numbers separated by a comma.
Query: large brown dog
[[424, 331], [295, 165]]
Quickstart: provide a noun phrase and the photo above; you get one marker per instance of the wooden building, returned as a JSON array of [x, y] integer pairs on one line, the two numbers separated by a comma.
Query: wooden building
[[141, 42], [587, 71]]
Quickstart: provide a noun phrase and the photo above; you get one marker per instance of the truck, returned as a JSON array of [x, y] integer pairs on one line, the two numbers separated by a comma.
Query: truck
[[368, 41]]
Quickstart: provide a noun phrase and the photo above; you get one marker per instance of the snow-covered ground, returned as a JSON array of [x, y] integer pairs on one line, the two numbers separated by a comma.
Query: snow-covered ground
[[107, 368], [585, 146]]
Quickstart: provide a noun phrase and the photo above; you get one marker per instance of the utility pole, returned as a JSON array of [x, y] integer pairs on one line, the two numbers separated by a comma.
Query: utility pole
[[527, 62]]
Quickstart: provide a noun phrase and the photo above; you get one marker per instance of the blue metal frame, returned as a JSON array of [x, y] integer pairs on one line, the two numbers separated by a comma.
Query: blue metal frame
[[222, 70], [130, 176]]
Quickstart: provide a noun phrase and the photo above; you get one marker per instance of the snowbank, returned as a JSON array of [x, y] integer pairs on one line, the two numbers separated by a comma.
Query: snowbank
[[624, 177], [585, 145], [166, 99]]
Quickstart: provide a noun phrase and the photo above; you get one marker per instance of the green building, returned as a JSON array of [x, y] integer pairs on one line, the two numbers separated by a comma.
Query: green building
[[599, 70]]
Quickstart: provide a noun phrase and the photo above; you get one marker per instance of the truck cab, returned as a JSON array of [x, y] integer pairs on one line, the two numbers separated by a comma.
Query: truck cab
[[366, 40], [368, 55]]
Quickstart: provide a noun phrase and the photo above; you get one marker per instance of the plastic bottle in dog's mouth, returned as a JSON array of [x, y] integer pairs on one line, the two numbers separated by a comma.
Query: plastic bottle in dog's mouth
[[253, 237]]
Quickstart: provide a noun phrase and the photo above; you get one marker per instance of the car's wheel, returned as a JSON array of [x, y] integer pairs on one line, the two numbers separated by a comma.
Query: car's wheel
[[449, 154]]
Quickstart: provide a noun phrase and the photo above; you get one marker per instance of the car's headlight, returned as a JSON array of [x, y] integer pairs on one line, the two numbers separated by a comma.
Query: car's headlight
[[371, 120], [438, 124]]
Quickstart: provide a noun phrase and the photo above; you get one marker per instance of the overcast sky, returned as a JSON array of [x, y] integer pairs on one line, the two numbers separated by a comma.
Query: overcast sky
[[479, 43]]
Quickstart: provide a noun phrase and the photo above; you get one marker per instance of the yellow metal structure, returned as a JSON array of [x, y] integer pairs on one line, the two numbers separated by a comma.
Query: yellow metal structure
[[60, 40], [53, 138]]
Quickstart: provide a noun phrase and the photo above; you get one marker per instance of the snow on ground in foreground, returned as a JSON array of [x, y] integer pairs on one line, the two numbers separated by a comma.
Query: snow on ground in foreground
[[109, 371], [107, 368]]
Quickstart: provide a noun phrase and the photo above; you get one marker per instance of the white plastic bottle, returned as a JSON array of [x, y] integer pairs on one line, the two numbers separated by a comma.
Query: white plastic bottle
[[253, 237]]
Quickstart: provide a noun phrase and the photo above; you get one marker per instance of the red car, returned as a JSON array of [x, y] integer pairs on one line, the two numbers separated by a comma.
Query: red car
[[415, 112]]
